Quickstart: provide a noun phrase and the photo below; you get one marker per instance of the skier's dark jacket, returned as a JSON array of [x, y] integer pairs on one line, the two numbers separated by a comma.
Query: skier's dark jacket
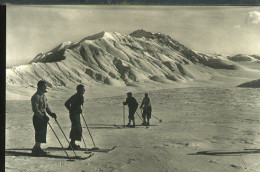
[[132, 104], [74, 103]]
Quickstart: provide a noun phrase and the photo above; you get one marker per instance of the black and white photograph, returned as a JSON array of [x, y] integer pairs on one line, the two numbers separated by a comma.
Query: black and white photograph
[[132, 88]]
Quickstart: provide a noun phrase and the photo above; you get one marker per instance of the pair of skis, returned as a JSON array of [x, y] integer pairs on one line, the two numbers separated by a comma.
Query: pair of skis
[[67, 155], [87, 151], [28, 154], [20, 152], [75, 157], [122, 126]]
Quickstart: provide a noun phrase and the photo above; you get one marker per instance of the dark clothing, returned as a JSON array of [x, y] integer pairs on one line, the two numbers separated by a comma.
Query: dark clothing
[[73, 104], [147, 112], [40, 107], [76, 129], [40, 127], [147, 108], [132, 106]]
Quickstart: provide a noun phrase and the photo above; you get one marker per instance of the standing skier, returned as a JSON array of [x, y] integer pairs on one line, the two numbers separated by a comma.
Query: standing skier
[[132, 106], [147, 109], [73, 104], [40, 119]]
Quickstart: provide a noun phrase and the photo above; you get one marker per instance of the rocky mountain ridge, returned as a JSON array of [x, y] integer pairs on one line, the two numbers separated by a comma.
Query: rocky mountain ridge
[[115, 59]]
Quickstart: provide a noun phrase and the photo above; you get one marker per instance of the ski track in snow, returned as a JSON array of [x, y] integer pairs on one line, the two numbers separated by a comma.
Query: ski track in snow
[[194, 120]]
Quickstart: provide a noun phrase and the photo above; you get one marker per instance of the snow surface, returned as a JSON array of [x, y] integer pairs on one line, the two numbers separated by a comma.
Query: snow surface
[[194, 120], [208, 123]]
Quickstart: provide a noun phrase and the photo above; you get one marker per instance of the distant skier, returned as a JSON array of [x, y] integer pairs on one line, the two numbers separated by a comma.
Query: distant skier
[[147, 109], [132, 106], [73, 104], [40, 119]]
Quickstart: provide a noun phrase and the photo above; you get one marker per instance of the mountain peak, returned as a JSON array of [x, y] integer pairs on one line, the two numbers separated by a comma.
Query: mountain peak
[[103, 34], [142, 33]]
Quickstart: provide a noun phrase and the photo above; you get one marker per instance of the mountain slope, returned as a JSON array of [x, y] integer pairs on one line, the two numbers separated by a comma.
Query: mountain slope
[[116, 59], [251, 84]]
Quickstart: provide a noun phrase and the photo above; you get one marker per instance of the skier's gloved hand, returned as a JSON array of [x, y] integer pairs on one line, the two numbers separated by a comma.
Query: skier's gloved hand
[[46, 118], [53, 115]]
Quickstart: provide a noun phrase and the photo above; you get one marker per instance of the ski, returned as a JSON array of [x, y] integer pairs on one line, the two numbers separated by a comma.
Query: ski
[[117, 126], [84, 149], [136, 126], [100, 150], [28, 154]]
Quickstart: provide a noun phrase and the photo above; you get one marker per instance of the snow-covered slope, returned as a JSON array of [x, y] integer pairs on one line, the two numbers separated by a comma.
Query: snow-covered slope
[[115, 59]]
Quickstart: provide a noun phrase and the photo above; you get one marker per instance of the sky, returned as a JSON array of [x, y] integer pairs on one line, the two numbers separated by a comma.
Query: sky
[[37, 29]]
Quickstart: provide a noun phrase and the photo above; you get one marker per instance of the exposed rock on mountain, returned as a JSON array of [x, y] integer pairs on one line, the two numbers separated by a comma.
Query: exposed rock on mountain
[[251, 84], [115, 59]]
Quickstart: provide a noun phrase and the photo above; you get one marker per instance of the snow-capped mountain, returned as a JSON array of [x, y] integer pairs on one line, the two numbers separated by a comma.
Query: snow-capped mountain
[[116, 59]]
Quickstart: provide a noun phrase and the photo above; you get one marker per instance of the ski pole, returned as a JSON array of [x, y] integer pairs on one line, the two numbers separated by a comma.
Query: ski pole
[[65, 137], [58, 139], [81, 133], [89, 132], [124, 115], [157, 118], [142, 113], [139, 116]]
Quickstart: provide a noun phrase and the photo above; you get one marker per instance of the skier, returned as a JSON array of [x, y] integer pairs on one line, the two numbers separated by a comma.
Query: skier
[[40, 119], [147, 109], [132, 106], [73, 104]]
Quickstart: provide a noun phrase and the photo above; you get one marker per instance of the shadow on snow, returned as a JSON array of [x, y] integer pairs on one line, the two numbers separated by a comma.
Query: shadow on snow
[[227, 153]]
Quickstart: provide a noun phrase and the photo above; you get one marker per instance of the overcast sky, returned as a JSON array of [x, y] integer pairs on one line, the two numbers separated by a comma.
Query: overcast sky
[[36, 29]]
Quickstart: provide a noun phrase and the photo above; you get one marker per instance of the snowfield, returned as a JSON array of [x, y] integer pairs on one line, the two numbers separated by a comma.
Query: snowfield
[[202, 129]]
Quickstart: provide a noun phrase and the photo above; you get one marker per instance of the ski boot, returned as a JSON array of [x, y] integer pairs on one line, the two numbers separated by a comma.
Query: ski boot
[[38, 152], [73, 147]]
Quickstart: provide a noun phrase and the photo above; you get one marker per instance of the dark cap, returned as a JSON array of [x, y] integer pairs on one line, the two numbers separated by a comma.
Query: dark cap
[[80, 86], [41, 83]]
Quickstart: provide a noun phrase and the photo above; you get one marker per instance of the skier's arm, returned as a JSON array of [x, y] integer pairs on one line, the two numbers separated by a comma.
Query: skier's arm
[[68, 103], [142, 104], [48, 110], [136, 103], [35, 104], [126, 102]]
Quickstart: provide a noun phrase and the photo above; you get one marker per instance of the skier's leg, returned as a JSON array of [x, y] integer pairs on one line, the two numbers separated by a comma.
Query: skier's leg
[[129, 121], [143, 116]]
